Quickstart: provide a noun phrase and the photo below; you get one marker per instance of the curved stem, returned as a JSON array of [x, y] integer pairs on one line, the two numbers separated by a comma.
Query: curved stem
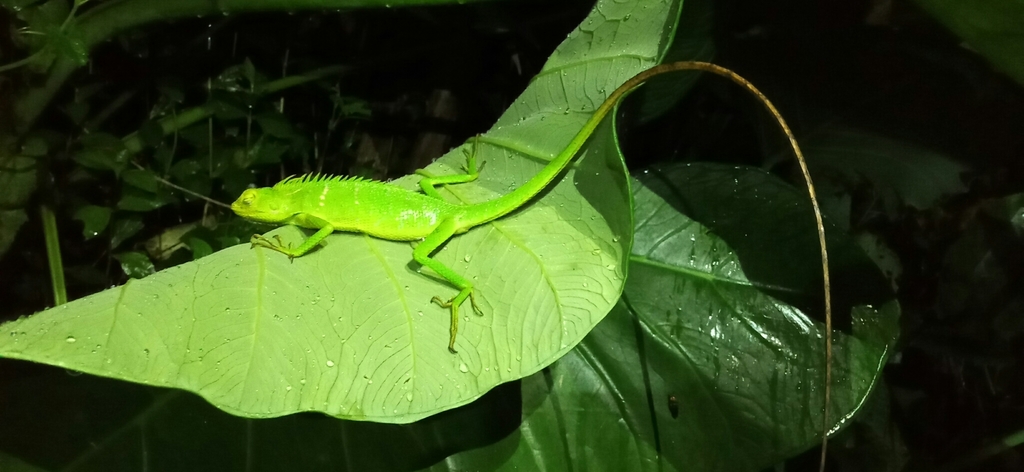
[[52, 237]]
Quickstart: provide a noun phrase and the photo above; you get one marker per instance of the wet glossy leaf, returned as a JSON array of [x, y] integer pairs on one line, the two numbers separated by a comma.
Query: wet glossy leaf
[[102, 151], [94, 218], [697, 369], [276, 125], [135, 264], [139, 200], [199, 248], [141, 179], [124, 228], [265, 151], [64, 42]]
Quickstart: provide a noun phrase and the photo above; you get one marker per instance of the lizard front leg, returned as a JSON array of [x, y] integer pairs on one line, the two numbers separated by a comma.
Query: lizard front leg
[[324, 229], [422, 253]]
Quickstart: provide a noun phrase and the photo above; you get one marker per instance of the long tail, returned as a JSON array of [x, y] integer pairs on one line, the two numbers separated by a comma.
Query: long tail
[[505, 204]]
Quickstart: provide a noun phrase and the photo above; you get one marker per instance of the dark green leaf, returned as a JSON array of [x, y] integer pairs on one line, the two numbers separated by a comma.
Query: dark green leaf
[[34, 147], [13, 464], [223, 157], [265, 151], [171, 89], [11, 222], [901, 172], [883, 256], [236, 181], [135, 264], [17, 5], [201, 438], [198, 135], [41, 15], [199, 248], [151, 133], [1009, 209], [993, 28], [696, 369], [747, 366], [276, 125], [755, 213], [192, 175], [87, 91], [138, 200], [18, 179], [880, 447], [67, 44], [187, 169], [102, 151], [123, 229], [95, 218], [352, 107], [163, 157], [77, 111], [249, 72], [226, 107], [693, 42], [141, 179], [242, 78], [89, 276]]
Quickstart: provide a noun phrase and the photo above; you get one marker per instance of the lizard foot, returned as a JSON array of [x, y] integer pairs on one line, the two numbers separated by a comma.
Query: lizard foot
[[453, 305], [277, 244]]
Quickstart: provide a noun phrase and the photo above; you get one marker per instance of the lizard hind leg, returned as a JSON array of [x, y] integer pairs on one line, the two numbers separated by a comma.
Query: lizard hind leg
[[422, 253]]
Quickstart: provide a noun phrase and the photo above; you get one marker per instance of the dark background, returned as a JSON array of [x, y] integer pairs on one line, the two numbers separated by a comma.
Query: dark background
[[882, 67]]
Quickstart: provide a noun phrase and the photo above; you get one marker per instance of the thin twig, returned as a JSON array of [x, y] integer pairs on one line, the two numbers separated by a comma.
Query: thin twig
[[185, 190]]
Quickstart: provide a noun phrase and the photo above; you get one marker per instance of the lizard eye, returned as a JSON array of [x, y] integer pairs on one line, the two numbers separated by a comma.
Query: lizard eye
[[248, 197]]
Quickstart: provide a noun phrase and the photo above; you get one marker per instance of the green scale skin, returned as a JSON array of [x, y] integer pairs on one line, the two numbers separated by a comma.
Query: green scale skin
[[328, 204]]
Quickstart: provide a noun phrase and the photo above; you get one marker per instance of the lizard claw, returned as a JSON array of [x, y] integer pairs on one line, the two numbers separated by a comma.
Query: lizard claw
[[453, 305], [277, 244], [472, 302]]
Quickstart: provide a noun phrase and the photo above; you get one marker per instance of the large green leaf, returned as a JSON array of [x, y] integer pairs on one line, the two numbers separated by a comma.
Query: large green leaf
[[349, 330], [696, 369]]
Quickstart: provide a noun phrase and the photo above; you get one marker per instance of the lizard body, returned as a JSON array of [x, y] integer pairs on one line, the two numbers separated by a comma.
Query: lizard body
[[328, 204]]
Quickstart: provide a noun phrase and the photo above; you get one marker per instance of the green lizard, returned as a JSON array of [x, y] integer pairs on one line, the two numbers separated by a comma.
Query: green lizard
[[328, 203]]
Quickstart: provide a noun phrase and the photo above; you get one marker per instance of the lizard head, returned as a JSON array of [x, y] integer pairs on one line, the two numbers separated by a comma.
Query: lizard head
[[266, 205]]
